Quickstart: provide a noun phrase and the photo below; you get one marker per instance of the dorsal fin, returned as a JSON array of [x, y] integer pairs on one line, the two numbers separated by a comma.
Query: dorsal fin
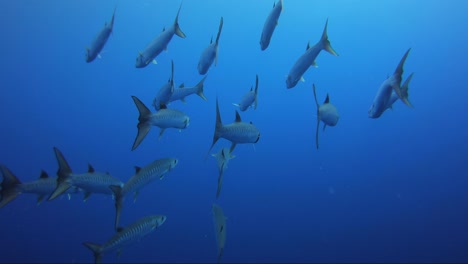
[[251, 88], [182, 85], [162, 106], [137, 169], [164, 29], [274, 4], [44, 175], [119, 229], [90, 168], [308, 46], [327, 100], [211, 40], [238, 118]]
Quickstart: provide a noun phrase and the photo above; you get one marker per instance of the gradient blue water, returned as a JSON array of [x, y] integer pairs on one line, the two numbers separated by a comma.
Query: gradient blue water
[[385, 190]]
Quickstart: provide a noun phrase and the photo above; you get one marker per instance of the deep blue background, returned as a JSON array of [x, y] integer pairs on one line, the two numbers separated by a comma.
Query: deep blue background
[[387, 190]]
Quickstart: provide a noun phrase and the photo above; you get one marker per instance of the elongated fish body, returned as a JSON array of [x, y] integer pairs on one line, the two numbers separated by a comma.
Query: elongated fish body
[[126, 236], [237, 132], [222, 159], [143, 176], [308, 58], [270, 25], [159, 44], [182, 92], [220, 229], [382, 99], [164, 94], [210, 53], [249, 98], [327, 113], [100, 40], [164, 118]]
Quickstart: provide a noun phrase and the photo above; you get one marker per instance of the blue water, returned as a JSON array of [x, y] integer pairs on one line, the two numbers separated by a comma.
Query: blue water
[[392, 189]]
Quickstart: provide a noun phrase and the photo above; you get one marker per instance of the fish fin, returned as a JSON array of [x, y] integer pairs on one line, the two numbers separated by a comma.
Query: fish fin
[[238, 105], [326, 43], [154, 62], [256, 92], [318, 118], [404, 91], [40, 198], [161, 132], [99, 56], [302, 79], [238, 118], [69, 196], [137, 169], [183, 100], [219, 30], [143, 126], [216, 57], [90, 168], [43, 175], [218, 126], [327, 100], [96, 249], [233, 146], [119, 229], [172, 76], [308, 46], [397, 76], [182, 85], [162, 176], [86, 196], [177, 29], [314, 64], [117, 190], [324, 126], [200, 87], [255, 150], [63, 175], [211, 40]]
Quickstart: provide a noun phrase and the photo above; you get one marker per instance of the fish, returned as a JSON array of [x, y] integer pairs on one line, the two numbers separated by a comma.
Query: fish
[[270, 25], [210, 53], [404, 91], [164, 94], [126, 236], [308, 58], [164, 118], [327, 113], [89, 182], [249, 98], [237, 132], [159, 44], [392, 84], [182, 92], [100, 40], [220, 229], [222, 158], [142, 177]]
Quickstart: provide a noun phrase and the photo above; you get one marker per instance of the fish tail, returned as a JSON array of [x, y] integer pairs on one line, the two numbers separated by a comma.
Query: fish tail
[[397, 75], [218, 126], [63, 175], [9, 190], [143, 126], [96, 249], [219, 30], [404, 91], [326, 45], [256, 92], [177, 29], [117, 190], [113, 18], [318, 118], [199, 87]]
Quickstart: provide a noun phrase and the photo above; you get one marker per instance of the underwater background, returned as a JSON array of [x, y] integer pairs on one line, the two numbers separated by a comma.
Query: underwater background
[[392, 189]]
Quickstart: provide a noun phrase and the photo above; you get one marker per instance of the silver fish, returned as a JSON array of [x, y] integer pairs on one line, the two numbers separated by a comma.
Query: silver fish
[[126, 236], [159, 44], [220, 229], [404, 92], [327, 113], [182, 92], [210, 53], [164, 94], [308, 58], [98, 43], [222, 159], [270, 25], [143, 176], [249, 98], [164, 118]]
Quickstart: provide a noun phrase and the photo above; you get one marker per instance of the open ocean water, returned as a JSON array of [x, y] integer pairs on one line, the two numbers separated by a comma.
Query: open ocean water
[[392, 189]]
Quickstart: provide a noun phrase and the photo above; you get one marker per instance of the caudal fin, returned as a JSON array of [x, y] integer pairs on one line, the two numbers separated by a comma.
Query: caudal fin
[[117, 190], [96, 249], [177, 29], [219, 30], [318, 118], [199, 87], [143, 126], [113, 18], [9, 190], [256, 92], [397, 76], [63, 175], [404, 90], [218, 126], [326, 45]]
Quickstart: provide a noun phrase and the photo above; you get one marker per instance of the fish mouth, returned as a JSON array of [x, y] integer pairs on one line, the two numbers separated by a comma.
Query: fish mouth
[[258, 138]]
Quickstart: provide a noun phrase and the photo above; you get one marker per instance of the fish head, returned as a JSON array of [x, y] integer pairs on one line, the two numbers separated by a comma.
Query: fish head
[[173, 163], [264, 42], [258, 137], [158, 220], [88, 56], [140, 61], [291, 82], [372, 112]]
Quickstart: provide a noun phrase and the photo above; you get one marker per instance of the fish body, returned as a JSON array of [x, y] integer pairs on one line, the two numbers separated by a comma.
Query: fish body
[[164, 94], [126, 236], [100, 40], [308, 58], [327, 113], [210, 53], [220, 229], [249, 99], [270, 25], [182, 92], [159, 44], [222, 159]]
